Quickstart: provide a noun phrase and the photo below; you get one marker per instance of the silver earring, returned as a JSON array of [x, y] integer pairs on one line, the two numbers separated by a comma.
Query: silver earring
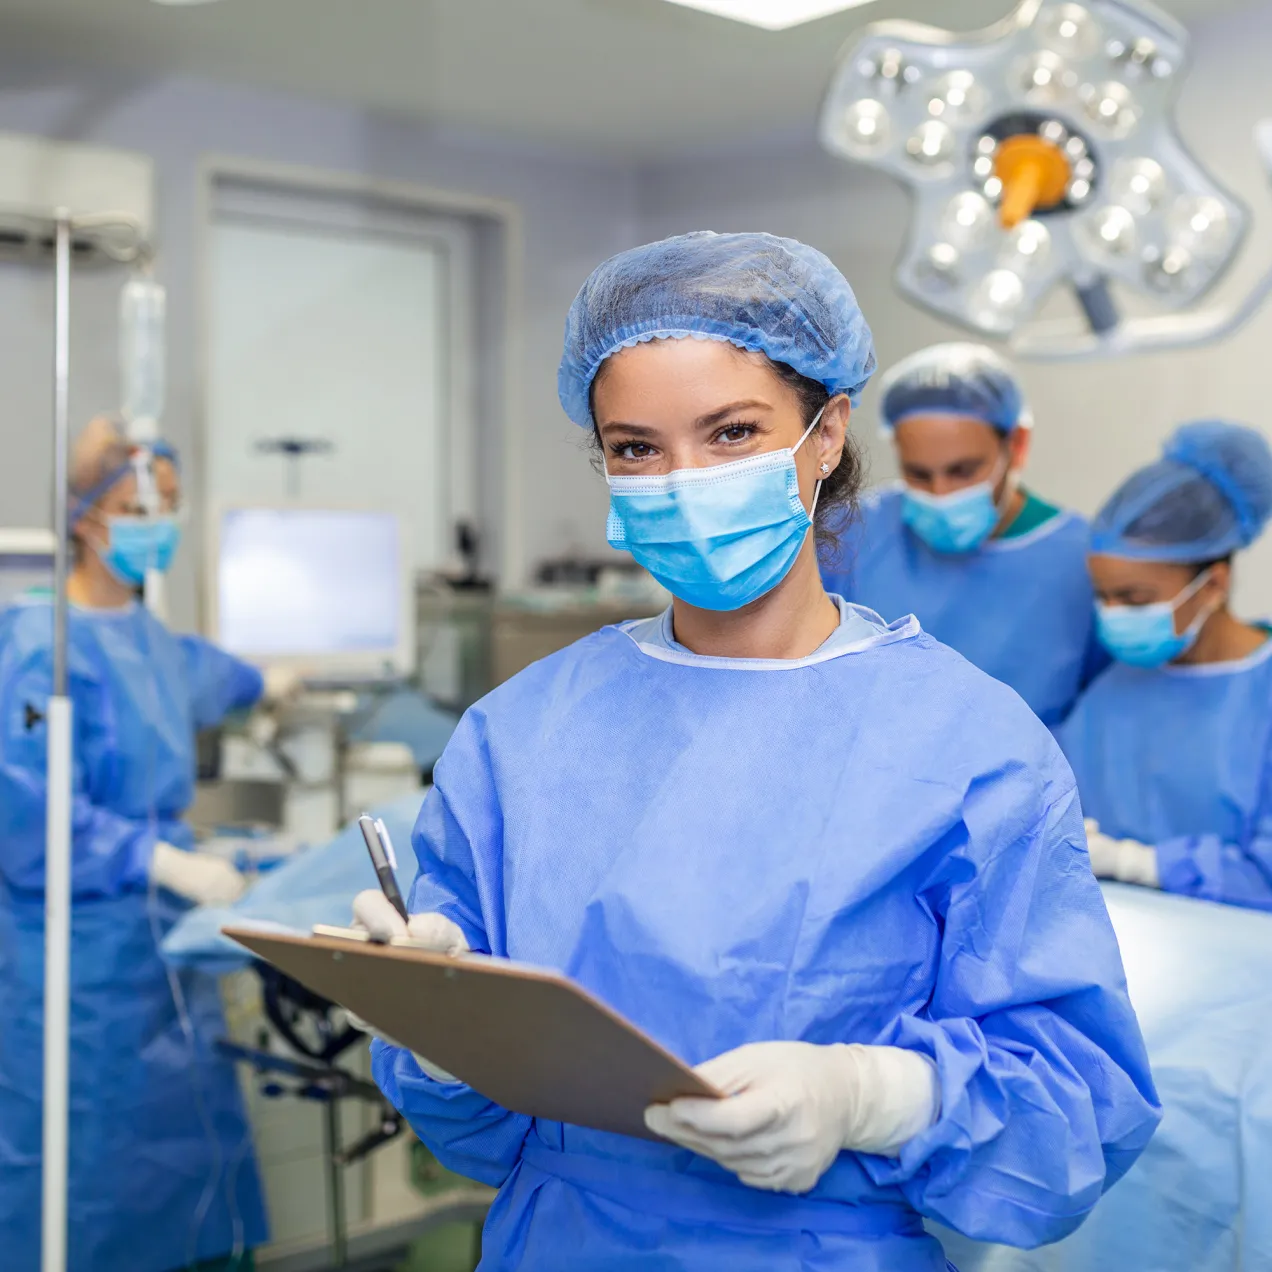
[[825, 469]]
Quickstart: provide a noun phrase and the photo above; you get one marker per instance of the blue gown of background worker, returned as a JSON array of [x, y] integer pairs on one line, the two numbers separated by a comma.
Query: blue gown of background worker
[[1178, 757], [876, 843], [161, 1170], [1018, 603]]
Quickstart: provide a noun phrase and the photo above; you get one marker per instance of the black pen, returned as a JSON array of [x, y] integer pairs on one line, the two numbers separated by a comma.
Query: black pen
[[380, 846]]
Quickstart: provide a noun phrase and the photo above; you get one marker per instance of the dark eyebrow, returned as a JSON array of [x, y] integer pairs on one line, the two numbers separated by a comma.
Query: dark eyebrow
[[633, 430], [702, 422], [714, 417]]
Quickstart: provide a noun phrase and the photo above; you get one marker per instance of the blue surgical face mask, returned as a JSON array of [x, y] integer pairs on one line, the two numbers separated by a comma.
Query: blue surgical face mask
[[1144, 635], [720, 537], [958, 522], [137, 544]]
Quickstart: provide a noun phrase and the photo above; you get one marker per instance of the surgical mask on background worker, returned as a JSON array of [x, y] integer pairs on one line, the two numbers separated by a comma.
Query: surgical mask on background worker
[[131, 524], [962, 436], [1146, 634], [961, 520]]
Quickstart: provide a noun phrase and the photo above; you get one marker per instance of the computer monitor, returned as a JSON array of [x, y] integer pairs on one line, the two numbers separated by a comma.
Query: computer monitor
[[327, 590], [26, 562]]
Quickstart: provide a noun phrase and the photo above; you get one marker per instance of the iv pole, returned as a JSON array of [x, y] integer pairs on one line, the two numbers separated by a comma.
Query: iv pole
[[57, 881], [116, 238]]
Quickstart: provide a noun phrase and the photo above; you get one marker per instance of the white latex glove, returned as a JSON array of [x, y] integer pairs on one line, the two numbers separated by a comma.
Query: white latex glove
[[1122, 859], [282, 684], [198, 876], [792, 1107], [373, 912]]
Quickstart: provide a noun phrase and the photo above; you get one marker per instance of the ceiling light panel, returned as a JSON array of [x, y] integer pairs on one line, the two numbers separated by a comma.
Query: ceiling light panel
[[772, 15]]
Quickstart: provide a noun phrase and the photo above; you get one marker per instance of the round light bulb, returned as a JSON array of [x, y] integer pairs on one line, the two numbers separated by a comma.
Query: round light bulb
[[967, 220], [1027, 248], [931, 143], [1138, 184], [1071, 30], [1110, 107], [866, 127], [997, 300], [957, 97], [1167, 271], [1112, 230], [1199, 223], [1045, 78], [939, 268]]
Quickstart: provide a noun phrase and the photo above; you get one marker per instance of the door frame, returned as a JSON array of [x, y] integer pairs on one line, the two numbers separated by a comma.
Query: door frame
[[494, 223]]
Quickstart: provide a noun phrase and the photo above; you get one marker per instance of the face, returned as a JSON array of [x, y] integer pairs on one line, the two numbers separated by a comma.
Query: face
[[674, 404], [121, 501], [1119, 581], [942, 454]]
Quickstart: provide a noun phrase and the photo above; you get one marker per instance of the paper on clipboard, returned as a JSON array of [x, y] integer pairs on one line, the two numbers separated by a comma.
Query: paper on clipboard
[[527, 1038]]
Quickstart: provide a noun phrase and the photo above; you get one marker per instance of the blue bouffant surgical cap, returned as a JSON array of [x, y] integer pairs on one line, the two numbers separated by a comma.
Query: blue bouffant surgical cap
[[770, 295], [954, 379], [1209, 495]]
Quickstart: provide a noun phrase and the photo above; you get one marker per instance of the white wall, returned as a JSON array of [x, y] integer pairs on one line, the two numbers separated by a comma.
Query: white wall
[[575, 212], [1095, 421]]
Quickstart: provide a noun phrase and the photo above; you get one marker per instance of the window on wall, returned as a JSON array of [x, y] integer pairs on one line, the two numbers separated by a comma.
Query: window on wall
[[340, 347]]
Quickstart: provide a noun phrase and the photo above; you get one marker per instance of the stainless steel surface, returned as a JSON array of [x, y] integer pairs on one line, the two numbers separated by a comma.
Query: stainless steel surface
[[57, 888], [242, 804], [61, 443]]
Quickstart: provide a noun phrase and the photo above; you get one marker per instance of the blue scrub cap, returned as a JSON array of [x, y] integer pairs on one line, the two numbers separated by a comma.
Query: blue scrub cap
[[954, 379], [103, 456], [771, 295], [1209, 495]]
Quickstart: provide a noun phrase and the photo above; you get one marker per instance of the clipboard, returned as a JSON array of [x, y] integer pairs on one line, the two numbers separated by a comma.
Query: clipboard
[[525, 1037]]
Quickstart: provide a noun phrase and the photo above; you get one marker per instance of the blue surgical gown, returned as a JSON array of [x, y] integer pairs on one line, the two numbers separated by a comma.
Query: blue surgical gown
[[1021, 608], [1181, 758], [874, 844], [161, 1164]]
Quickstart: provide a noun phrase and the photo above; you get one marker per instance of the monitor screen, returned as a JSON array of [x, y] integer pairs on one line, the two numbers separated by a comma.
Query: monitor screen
[[315, 584]]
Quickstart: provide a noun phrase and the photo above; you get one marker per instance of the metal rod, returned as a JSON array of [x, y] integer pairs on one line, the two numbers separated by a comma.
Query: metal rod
[[61, 443], [335, 1184], [57, 878]]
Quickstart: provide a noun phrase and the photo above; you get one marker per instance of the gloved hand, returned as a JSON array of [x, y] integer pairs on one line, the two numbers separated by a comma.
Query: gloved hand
[[1125, 860], [373, 911], [198, 876], [282, 684], [792, 1107]]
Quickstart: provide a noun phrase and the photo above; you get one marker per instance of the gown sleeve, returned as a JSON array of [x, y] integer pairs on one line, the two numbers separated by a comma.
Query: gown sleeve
[[109, 853], [1046, 1093], [458, 842], [1205, 866], [219, 682]]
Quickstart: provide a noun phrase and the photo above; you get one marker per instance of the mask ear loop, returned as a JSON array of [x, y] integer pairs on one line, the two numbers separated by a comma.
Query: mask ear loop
[[1194, 628], [812, 512]]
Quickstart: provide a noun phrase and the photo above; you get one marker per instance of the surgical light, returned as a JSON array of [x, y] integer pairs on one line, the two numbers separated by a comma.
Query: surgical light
[[772, 15], [1039, 153]]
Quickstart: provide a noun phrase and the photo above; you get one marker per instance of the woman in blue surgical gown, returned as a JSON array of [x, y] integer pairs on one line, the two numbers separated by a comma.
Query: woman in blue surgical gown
[[818, 855], [161, 1171], [1172, 747], [983, 563]]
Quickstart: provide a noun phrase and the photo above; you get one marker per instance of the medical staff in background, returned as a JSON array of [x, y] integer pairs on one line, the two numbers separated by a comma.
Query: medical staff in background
[[793, 842], [1172, 747], [985, 565], [161, 1172]]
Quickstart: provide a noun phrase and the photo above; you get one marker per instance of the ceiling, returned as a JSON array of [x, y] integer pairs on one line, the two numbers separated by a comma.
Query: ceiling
[[634, 79]]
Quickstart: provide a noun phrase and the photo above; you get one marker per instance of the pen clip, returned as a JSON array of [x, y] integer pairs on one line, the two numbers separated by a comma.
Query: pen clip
[[386, 842]]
